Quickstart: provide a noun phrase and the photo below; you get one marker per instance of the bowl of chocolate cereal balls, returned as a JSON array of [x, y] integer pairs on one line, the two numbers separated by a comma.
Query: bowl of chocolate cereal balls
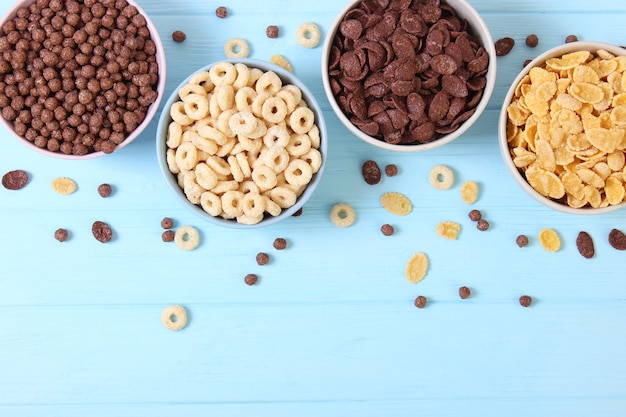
[[242, 143], [79, 79], [562, 128], [408, 76]]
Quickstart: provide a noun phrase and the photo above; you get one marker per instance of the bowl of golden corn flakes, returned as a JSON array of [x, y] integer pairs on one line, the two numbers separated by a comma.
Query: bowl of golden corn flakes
[[242, 143], [562, 128]]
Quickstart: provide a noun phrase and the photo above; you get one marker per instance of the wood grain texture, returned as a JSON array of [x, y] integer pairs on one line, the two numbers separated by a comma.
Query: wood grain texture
[[331, 329]]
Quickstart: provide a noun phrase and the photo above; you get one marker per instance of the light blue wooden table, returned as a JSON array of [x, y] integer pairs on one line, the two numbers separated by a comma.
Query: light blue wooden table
[[331, 329]]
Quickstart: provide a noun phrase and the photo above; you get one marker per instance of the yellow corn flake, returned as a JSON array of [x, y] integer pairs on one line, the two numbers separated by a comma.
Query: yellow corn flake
[[396, 203], [517, 116], [614, 190], [416, 268], [592, 195], [616, 160], [546, 90], [546, 183], [563, 156], [573, 185], [618, 114], [566, 101], [549, 240], [585, 74], [449, 230], [586, 92], [469, 192], [545, 155], [64, 185], [606, 140], [568, 61]]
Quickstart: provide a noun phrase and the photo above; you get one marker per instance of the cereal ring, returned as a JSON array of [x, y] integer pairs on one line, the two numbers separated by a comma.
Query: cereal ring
[[193, 191], [226, 147], [223, 73], [298, 173], [245, 219], [232, 204], [314, 136], [222, 122], [288, 97], [235, 169], [205, 176], [244, 165], [244, 97], [243, 76], [219, 165], [308, 35], [274, 110], [269, 82], [253, 205], [187, 89], [211, 203], [186, 156], [177, 113], [174, 317], [225, 186], [203, 144], [196, 106], [255, 74], [209, 132], [174, 135], [271, 207], [441, 177], [170, 157], [301, 120], [249, 144], [236, 48], [203, 79], [214, 108], [299, 144], [225, 96], [248, 186], [283, 196], [314, 158], [242, 123], [276, 135], [187, 237], [264, 177], [259, 130], [342, 215], [257, 103], [276, 158]]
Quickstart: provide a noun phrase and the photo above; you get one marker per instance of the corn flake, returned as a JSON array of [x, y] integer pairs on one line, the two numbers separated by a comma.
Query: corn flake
[[549, 240]]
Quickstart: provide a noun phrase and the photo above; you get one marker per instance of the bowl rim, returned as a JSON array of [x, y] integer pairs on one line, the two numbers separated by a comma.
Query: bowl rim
[[169, 178], [478, 26], [503, 117], [152, 109]]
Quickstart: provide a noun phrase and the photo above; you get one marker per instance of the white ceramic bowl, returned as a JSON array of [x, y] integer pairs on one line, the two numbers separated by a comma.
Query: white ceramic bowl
[[151, 111], [502, 126], [480, 31], [172, 181]]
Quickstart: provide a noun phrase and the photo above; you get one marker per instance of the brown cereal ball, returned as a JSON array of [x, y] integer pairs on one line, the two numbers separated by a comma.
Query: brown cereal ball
[[221, 12], [420, 301], [464, 292], [168, 236], [387, 229], [280, 243], [104, 190], [262, 258], [298, 213], [272, 31], [475, 215], [179, 36], [527, 61], [571, 38], [167, 223], [61, 235], [251, 279], [391, 170], [482, 225], [532, 40], [522, 240], [525, 300]]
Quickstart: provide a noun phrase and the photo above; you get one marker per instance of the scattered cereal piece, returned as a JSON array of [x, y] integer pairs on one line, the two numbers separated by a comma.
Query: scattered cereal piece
[[308, 35], [167, 223], [101, 231], [272, 31], [482, 225], [262, 258], [584, 244], [396, 203], [342, 215], [168, 236], [441, 177], [105, 190], [504, 46], [469, 192], [297, 213], [371, 172], [387, 229], [521, 241], [526, 62], [571, 38], [64, 185], [281, 61], [391, 170], [15, 180], [251, 279], [174, 317], [464, 292], [475, 215], [617, 239], [179, 36], [448, 230], [550, 240], [279, 243], [61, 234], [221, 12], [187, 237], [525, 300], [420, 301], [532, 40], [236, 48], [416, 267]]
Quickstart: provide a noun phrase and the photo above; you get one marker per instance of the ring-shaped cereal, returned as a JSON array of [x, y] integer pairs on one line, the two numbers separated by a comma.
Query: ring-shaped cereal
[[223, 73], [253, 204], [269, 82], [271, 207], [207, 131], [222, 122], [205, 176], [203, 79], [301, 120], [236, 48], [283, 196], [196, 106], [174, 135], [219, 165], [187, 237], [177, 113], [190, 88], [314, 158], [245, 219], [248, 186], [308, 35], [298, 144], [298, 172], [170, 157], [242, 123], [441, 177], [243, 75], [211, 203], [186, 156], [276, 135], [257, 103], [314, 135], [214, 107], [277, 158], [224, 186], [274, 110], [244, 98], [174, 317], [289, 98], [244, 164], [191, 188], [203, 144], [342, 215], [235, 169], [225, 96], [232, 204], [264, 177]]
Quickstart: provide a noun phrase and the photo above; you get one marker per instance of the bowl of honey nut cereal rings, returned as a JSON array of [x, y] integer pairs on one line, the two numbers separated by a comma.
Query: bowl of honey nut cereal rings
[[562, 128], [242, 143], [79, 79], [408, 76]]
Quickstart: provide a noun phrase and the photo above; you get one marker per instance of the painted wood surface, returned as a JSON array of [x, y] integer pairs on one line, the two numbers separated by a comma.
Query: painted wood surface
[[331, 329]]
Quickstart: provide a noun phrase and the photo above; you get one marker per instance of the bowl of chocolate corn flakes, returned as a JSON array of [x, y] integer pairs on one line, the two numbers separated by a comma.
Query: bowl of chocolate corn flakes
[[408, 76], [562, 128], [79, 79], [242, 143]]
